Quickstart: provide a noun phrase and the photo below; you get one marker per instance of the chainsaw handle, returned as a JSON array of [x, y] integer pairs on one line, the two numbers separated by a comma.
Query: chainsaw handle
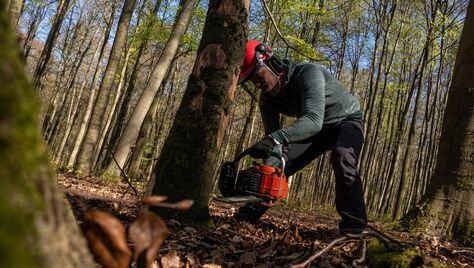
[[247, 152]]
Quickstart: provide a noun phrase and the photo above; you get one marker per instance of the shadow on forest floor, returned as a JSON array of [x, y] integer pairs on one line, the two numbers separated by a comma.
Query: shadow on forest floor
[[283, 237]]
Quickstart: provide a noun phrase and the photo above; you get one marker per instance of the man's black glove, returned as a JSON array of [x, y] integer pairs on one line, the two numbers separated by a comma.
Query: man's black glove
[[262, 148]]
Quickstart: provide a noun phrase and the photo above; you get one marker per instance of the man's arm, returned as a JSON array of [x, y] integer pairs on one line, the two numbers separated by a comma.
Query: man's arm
[[311, 88], [270, 118]]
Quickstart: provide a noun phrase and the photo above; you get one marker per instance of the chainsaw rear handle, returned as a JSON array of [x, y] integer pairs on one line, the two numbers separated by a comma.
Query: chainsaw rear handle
[[247, 152]]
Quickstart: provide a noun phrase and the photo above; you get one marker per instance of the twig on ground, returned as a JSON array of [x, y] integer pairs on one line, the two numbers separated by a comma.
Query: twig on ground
[[398, 243], [101, 198], [347, 238], [361, 260], [321, 252], [125, 176]]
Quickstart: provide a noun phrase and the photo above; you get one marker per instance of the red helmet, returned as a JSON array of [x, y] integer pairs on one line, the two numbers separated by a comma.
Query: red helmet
[[255, 54]]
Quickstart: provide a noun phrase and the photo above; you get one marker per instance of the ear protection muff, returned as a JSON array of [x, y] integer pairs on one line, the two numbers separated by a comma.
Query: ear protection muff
[[264, 54]]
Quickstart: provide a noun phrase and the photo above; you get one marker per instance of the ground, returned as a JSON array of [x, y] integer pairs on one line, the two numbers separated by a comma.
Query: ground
[[285, 236]]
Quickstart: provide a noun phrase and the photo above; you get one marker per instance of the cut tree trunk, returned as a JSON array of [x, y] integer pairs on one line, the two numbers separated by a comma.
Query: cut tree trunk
[[187, 161]]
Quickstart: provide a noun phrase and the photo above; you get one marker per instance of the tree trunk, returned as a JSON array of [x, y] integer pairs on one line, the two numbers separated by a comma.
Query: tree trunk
[[72, 159], [400, 198], [14, 12], [186, 164], [450, 194], [130, 134], [38, 229], [50, 41], [89, 147]]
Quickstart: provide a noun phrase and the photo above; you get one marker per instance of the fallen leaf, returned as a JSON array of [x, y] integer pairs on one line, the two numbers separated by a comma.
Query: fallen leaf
[[192, 260], [171, 260], [106, 237], [211, 265], [147, 232], [153, 200]]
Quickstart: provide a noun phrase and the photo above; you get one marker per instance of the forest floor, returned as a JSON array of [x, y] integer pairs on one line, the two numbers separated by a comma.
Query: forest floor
[[284, 236]]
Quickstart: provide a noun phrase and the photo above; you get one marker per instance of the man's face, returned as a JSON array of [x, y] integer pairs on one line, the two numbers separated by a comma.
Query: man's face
[[267, 81]]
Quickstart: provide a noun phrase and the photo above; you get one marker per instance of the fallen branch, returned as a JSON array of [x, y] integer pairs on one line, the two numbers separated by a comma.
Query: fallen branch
[[321, 252], [154, 200], [101, 198], [348, 238]]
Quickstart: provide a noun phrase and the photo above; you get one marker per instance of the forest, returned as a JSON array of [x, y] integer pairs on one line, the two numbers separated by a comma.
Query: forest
[[116, 118]]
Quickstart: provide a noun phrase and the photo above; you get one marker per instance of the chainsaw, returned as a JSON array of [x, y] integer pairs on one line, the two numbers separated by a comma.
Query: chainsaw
[[258, 184]]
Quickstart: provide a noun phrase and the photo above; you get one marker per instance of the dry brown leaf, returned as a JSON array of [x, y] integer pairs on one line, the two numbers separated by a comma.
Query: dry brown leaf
[[154, 200], [171, 260], [147, 232], [106, 237], [211, 265], [181, 205]]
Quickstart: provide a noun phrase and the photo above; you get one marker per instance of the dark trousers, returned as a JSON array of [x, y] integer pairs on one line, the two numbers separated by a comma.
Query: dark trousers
[[345, 143]]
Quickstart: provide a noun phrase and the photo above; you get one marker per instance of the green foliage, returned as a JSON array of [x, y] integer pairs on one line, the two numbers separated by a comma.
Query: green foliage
[[306, 50]]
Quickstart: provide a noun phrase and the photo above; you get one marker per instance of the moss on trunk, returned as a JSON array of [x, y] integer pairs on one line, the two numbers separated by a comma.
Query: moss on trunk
[[187, 161], [36, 227], [448, 205]]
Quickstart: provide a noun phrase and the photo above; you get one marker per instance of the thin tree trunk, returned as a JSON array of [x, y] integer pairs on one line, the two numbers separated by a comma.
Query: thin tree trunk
[[14, 11], [50, 42], [129, 136], [92, 94], [411, 132], [89, 147]]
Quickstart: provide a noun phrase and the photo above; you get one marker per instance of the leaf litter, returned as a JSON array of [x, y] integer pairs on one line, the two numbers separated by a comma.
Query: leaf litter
[[283, 237]]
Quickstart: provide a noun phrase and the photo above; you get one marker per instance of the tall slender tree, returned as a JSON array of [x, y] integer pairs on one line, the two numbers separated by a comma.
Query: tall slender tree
[[89, 147], [130, 134], [45, 57], [449, 201]]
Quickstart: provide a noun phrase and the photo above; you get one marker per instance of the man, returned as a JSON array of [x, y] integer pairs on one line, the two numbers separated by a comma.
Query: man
[[329, 118]]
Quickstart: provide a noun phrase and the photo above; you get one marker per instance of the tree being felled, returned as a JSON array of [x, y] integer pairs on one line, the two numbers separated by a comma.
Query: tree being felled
[[187, 161], [37, 228]]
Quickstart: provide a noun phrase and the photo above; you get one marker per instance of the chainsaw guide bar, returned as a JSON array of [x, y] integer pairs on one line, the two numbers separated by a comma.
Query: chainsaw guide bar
[[239, 199]]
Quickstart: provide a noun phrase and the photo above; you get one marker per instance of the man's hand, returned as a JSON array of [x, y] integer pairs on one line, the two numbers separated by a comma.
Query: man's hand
[[263, 148]]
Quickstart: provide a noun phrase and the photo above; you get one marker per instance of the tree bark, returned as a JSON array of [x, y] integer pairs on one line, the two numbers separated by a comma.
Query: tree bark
[[14, 11], [89, 147], [450, 194], [38, 229], [50, 41], [130, 134], [186, 164], [72, 159]]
